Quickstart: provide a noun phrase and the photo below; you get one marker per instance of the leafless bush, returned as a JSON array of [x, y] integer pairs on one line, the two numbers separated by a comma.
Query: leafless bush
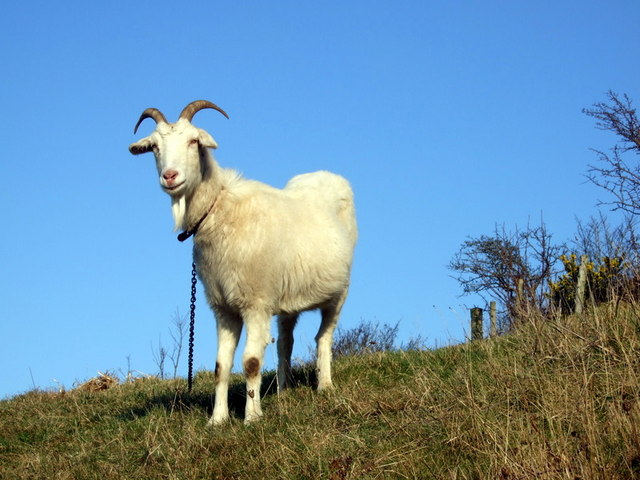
[[513, 268], [370, 337], [177, 333]]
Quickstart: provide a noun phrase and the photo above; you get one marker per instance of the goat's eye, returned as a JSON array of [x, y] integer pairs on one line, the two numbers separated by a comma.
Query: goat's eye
[[193, 142]]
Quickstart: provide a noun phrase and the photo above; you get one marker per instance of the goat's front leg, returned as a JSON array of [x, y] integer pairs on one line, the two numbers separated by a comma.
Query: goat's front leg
[[258, 336], [229, 329]]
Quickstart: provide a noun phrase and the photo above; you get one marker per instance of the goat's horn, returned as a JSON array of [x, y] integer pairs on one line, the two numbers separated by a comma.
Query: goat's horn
[[191, 109], [150, 113]]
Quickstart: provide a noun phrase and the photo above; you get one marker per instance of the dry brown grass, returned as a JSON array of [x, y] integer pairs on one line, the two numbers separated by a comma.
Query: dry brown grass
[[99, 383], [554, 400]]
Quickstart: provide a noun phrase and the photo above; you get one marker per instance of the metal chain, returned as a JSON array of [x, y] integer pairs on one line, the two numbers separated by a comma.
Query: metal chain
[[192, 323]]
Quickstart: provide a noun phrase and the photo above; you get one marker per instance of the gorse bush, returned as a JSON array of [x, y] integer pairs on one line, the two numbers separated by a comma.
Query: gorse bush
[[604, 279]]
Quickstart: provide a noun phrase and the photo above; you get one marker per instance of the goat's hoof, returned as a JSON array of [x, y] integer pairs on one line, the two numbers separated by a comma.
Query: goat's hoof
[[252, 418], [216, 422], [325, 387]]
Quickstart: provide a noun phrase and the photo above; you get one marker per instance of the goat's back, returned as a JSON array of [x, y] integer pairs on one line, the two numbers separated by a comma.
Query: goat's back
[[331, 190]]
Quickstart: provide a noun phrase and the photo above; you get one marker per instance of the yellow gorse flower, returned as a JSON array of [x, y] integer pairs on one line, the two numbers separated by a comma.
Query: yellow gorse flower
[[600, 278]]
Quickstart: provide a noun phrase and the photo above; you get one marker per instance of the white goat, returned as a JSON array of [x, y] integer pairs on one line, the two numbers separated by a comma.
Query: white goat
[[259, 251]]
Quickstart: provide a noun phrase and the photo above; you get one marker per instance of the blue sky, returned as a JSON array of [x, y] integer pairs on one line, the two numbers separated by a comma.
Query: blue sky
[[447, 118]]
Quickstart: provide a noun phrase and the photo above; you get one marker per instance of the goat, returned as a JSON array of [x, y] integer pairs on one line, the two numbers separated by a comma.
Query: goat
[[259, 251]]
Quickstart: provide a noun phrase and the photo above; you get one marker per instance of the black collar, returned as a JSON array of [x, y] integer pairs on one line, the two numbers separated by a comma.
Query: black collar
[[192, 231]]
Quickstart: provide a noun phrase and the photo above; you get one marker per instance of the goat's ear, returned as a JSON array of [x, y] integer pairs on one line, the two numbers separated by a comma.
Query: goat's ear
[[142, 146], [206, 140]]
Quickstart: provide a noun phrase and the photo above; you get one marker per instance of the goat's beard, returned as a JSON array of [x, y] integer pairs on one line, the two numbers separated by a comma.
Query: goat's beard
[[179, 209]]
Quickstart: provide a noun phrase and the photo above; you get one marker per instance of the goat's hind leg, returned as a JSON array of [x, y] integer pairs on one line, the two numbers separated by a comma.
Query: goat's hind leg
[[324, 340], [286, 324]]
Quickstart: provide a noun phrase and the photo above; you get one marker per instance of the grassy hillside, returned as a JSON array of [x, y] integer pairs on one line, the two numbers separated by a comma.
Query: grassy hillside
[[556, 399]]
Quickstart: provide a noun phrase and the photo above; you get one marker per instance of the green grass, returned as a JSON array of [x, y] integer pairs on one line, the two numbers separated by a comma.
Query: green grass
[[554, 399]]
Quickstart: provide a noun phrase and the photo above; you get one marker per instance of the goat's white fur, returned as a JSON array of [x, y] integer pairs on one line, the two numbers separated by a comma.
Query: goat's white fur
[[260, 251]]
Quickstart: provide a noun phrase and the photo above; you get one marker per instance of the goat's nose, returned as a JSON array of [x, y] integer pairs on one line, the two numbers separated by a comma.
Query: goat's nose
[[170, 175]]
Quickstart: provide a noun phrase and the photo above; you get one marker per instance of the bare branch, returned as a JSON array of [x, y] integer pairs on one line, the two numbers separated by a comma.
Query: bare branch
[[617, 173]]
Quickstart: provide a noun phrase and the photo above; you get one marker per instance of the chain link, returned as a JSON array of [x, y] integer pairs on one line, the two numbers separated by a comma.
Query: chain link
[[192, 323]]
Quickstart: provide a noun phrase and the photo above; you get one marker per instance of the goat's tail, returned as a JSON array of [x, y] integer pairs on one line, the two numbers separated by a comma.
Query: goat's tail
[[347, 213]]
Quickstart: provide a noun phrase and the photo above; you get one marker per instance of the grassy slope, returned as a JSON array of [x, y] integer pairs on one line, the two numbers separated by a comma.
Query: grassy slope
[[553, 400]]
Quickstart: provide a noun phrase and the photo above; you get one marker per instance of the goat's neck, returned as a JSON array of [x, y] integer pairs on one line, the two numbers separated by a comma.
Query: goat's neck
[[201, 200]]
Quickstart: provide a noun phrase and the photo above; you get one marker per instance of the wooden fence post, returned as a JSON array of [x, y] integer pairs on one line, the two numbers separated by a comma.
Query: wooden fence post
[[521, 302], [581, 285], [493, 322], [476, 324]]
